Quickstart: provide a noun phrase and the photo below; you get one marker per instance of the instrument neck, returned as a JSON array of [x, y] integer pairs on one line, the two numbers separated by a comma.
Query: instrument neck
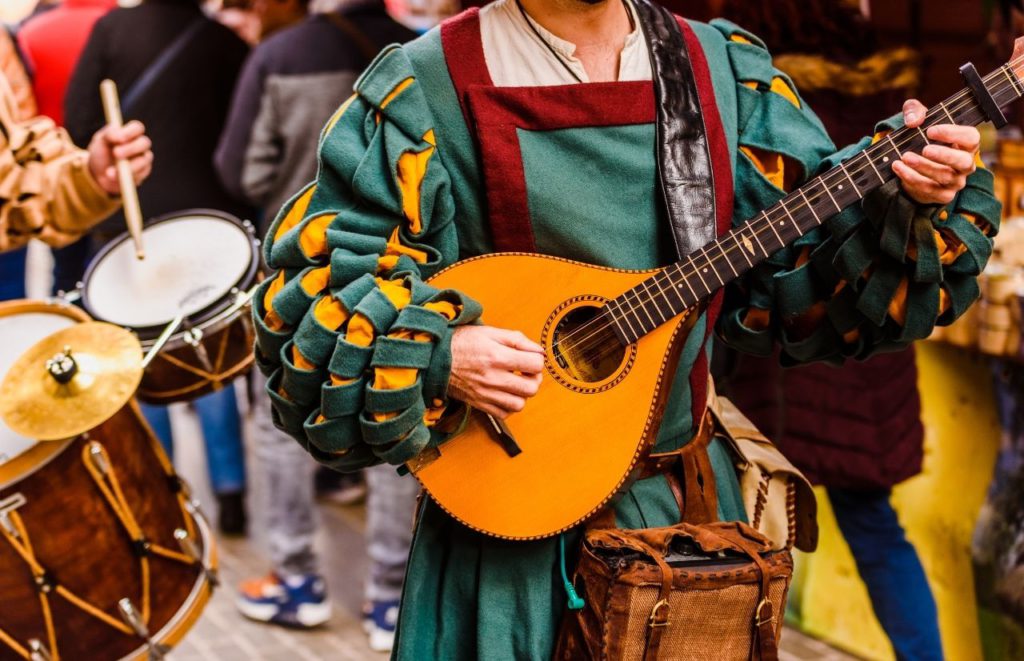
[[696, 278]]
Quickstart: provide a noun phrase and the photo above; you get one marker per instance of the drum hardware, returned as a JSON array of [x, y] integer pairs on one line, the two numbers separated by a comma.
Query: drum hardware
[[162, 340], [8, 505], [190, 549], [38, 651], [194, 338], [62, 366], [133, 618]]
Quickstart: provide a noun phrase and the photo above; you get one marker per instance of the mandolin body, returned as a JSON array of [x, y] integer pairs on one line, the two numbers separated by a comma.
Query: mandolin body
[[594, 418]]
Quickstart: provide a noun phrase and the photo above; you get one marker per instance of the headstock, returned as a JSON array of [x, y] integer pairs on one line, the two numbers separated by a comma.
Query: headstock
[[1017, 59]]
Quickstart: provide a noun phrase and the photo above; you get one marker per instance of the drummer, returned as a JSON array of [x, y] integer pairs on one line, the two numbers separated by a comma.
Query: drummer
[[50, 189]]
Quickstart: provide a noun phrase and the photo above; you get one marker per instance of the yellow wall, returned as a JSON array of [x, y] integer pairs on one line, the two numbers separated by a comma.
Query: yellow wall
[[938, 508]]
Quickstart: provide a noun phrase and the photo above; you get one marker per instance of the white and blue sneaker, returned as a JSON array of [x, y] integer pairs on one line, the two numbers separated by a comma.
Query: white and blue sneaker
[[379, 621], [296, 601]]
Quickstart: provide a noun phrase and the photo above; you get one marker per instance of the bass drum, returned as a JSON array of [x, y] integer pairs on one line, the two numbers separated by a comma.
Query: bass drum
[[102, 553], [199, 264]]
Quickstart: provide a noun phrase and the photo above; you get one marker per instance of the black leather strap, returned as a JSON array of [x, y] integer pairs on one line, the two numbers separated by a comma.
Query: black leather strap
[[684, 157], [983, 96]]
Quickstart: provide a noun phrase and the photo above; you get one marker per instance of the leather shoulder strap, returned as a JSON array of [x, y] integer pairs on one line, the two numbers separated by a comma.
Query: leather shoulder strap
[[368, 49], [684, 156]]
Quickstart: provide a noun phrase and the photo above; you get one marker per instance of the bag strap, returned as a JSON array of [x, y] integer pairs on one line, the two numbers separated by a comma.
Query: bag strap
[[158, 66], [367, 48]]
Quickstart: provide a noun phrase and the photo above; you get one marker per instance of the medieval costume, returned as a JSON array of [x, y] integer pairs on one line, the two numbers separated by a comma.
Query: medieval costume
[[485, 135]]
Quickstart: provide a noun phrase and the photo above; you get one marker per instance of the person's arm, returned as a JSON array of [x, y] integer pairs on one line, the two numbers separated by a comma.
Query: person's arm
[[356, 346], [248, 158], [876, 277]]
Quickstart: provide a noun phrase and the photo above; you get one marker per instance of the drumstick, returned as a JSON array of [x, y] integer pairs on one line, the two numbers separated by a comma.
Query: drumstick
[[129, 195]]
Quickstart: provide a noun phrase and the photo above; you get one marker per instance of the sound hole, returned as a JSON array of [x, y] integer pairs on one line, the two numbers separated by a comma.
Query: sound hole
[[585, 346]]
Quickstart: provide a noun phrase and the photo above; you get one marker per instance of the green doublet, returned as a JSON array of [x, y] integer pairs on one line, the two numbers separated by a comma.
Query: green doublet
[[592, 196]]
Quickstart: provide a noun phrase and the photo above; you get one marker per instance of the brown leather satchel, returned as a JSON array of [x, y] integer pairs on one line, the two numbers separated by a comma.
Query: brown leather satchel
[[696, 590]]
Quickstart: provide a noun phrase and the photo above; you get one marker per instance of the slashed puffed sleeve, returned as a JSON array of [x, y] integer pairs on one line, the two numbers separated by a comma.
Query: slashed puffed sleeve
[[355, 345], [876, 277]]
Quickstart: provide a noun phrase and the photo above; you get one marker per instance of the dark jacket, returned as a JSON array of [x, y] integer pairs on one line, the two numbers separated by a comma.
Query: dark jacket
[[184, 110], [291, 85]]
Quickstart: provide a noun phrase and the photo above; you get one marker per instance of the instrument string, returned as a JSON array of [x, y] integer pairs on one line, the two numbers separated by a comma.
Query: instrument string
[[955, 104]]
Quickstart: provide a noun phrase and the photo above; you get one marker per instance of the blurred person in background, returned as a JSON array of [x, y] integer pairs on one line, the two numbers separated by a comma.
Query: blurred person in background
[[238, 16], [291, 85], [855, 429], [23, 106], [185, 66], [51, 43]]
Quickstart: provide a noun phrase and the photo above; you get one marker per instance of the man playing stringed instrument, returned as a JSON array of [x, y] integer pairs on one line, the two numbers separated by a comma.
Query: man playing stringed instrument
[[570, 128]]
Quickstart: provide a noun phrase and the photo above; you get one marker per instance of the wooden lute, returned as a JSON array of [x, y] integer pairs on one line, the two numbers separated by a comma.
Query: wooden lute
[[613, 338]]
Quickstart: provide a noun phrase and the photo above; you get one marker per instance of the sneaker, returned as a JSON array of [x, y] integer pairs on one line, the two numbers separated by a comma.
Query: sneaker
[[379, 621], [339, 488], [299, 601]]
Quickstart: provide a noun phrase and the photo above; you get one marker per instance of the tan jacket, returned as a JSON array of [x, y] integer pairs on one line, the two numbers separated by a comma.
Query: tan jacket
[[46, 190], [11, 66]]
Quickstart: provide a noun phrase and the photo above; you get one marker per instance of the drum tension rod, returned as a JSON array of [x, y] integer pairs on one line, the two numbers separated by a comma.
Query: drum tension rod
[[189, 548], [8, 505], [133, 618], [38, 651]]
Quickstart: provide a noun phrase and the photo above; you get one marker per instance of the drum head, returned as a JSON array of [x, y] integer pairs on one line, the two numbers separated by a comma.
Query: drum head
[[192, 262], [18, 332]]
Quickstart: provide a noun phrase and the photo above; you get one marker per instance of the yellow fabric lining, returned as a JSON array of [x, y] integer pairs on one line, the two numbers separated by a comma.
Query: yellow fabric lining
[[338, 113], [776, 168], [295, 214], [395, 250], [412, 168], [271, 319], [393, 94], [316, 280], [313, 239]]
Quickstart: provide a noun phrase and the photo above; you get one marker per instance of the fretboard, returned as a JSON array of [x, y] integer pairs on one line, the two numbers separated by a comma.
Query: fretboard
[[694, 279]]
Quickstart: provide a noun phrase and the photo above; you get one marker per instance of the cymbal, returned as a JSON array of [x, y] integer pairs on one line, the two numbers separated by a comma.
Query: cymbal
[[71, 381]]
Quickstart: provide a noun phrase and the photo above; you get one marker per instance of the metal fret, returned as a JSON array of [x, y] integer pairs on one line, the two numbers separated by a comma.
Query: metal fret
[[825, 186], [771, 226], [644, 307], [885, 159], [871, 162], [728, 261], [615, 318], [842, 166], [1014, 80], [650, 297], [711, 265], [697, 271], [685, 281], [946, 110], [672, 287], [923, 135], [753, 232], [813, 212]]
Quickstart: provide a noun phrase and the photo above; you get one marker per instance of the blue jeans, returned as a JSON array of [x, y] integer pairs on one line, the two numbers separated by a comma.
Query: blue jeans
[[222, 436], [889, 566], [12, 274]]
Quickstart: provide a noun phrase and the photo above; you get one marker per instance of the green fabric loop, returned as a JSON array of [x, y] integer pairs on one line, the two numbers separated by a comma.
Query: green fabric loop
[[979, 246], [436, 377], [879, 291], [735, 333], [263, 364], [842, 311], [751, 63], [421, 320], [928, 268], [345, 268], [390, 401], [896, 229], [342, 401], [796, 291], [355, 244], [818, 345], [314, 340], [302, 386], [286, 415], [421, 291], [356, 459], [269, 341], [406, 449], [387, 431], [268, 243], [979, 202], [855, 255], [292, 302], [922, 311], [349, 361], [394, 352], [288, 249], [379, 310], [333, 435], [963, 291], [355, 291]]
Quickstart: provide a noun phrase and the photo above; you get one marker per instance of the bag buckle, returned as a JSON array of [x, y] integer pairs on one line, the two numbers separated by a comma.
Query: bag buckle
[[659, 614], [760, 607]]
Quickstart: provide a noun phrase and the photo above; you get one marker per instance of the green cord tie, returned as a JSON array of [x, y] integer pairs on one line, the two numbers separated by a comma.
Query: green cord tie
[[575, 603]]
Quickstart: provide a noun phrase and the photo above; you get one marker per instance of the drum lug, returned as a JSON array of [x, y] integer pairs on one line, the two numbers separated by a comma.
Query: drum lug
[[98, 458], [194, 338], [8, 505], [38, 651], [133, 618], [190, 549]]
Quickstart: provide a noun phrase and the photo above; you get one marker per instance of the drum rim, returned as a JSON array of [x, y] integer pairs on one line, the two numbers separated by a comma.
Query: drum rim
[[43, 452], [200, 316]]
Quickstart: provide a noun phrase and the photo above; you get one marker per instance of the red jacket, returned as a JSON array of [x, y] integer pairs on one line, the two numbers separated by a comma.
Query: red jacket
[[52, 43]]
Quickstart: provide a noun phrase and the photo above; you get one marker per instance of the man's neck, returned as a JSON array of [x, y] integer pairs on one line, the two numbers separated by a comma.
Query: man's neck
[[598, 29]]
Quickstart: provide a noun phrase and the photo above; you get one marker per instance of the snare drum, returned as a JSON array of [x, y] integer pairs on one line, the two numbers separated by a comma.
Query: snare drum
[[102, 553], [199, 264]]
